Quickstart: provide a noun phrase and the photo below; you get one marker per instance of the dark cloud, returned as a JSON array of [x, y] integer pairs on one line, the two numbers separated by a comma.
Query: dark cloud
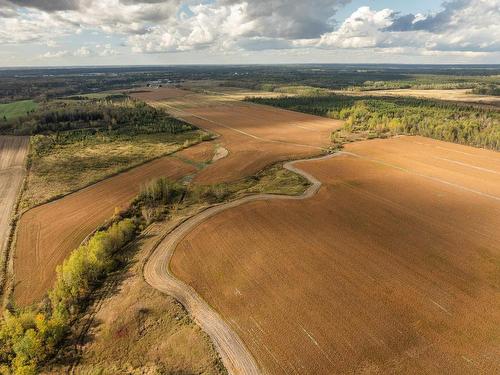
[[48, 5], [434, 23], [133, 2]]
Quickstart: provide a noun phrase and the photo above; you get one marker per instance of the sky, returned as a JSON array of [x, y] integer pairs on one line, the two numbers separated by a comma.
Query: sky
[[167, 32]]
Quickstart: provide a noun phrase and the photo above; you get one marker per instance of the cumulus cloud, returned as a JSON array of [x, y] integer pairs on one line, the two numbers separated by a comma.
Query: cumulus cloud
[[52, 55], [31, 26], [164, 26], [462, 26], [288, 19], [360, 30], [101, 50], [436, 22]]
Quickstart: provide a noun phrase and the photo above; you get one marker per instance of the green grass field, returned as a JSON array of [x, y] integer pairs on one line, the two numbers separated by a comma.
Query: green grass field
[[17, 109]]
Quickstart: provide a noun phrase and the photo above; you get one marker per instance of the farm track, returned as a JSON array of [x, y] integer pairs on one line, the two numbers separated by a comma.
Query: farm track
[[392, 267], [236, 357], [252, 144]]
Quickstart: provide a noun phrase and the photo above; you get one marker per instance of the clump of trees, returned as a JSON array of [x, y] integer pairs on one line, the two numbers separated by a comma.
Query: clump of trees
[[453, 122], [156, 196], [160, 195], [30, 336], [493, 90]]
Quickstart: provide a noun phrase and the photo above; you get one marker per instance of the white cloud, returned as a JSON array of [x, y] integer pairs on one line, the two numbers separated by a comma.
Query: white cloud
[[105, 50], [463, 27], [53, 55], [82, 52], [360, 30]]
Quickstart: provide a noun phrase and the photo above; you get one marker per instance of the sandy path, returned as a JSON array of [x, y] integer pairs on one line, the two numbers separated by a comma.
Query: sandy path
[[13, 151], [235, 355], [392, 267], [256, 137]]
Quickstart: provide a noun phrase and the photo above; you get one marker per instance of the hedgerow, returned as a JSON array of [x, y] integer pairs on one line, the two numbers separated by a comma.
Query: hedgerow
[[29, 336]]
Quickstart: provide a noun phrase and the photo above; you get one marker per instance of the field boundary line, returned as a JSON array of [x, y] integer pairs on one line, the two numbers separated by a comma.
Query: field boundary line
[[467, 165], [236, 130], [114, 174], [236, 357], [432, 178]]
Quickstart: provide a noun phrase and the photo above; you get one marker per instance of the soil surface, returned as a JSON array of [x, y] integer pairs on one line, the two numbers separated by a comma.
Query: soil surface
[[254, 135], [48, 233], [13, 152], [456, 95], [392, 267]]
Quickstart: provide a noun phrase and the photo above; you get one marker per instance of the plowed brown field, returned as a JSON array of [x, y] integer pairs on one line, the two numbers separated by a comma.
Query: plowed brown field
[[258, 136], [48, 233], [254, 135], [393, 267], [13, 152]]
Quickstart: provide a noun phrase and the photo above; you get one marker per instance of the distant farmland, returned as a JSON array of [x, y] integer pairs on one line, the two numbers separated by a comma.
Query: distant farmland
[[393, 267], [255, 135]]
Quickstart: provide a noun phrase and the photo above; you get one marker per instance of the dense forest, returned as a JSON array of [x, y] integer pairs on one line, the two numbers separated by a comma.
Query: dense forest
[[453, 122], [122, 116]]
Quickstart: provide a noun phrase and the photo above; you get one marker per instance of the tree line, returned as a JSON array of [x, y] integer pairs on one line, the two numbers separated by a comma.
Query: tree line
[[453, 122], [30, 336], [120, 117]]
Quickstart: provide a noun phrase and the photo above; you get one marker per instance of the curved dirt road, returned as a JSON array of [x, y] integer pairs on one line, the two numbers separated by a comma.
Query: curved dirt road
[[234, 354]]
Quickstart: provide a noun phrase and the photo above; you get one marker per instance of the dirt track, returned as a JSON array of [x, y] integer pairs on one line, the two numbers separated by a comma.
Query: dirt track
[[233, 351], [48, 233], [391, 268], [13, 151]]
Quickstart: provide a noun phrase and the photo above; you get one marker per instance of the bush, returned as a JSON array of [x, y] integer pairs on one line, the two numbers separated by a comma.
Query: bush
[[160, 191], [30, 336]]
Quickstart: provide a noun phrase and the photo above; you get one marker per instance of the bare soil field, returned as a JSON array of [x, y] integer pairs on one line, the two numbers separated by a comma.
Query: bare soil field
[[256, 137], [13, 151], [75, 165], [458, 95], [48, 233], [392, 267]]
